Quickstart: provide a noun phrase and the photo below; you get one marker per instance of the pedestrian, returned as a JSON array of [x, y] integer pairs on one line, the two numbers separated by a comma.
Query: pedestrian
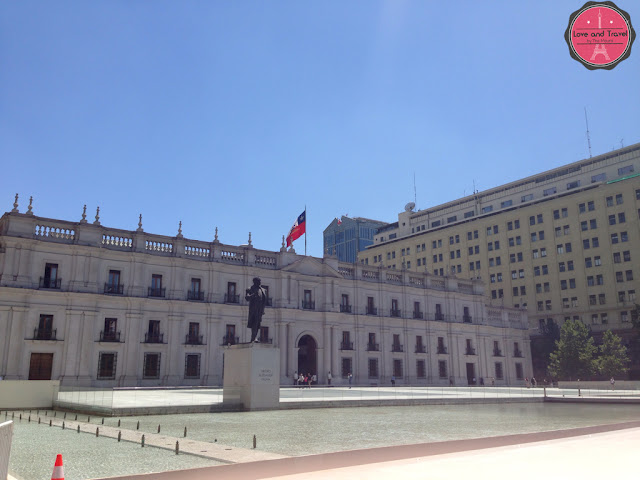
[[533, 382], [329, 378], [295, 377], [314, 379], [493, 381], [393, 380], [308, 380], [350, 377], [526, 381], [482, 381], [473, 381], [300, 379], [613, 383]]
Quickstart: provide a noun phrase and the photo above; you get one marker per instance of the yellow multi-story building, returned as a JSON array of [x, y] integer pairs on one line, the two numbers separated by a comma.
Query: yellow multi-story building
[[561, 244]]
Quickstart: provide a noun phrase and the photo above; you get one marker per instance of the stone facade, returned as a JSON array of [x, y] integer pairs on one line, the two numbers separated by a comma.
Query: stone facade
[[97, 306]]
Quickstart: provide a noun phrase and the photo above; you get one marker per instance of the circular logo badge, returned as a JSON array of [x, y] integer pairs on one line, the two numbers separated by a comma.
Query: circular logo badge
[[599, 35]]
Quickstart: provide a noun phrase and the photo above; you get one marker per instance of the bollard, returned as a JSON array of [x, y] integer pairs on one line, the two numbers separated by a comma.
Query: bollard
[[89, 419], [97, 431], [29, 418], [46, 414], [545, 392], [254, 441], [102, 420], [118, 422], [78, 428], [177, 447], [55, 414], [13, 415], [215, 440], [579, 394], [50, 422], [142, 440], [185, 431], [158, 428], [76, 416], [138, 425], [20, 416], [38, 420], [63, 425], [119, 435], [65, 414]]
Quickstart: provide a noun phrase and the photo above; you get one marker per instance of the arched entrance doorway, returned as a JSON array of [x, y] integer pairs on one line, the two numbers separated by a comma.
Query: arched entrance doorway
[[307, 355]]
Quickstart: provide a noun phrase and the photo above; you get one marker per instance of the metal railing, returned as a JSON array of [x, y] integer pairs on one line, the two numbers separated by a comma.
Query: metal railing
[[110, 336], [372, 311], [442, 350], [230, 340], [345, 308], [470, 351], [395, 312], [44, 334], [418, 315], [373, 347], [421, 349], [517, 353], [156, 292], [194, 339], [497, 352], [396, 347], [346, 345], [439, 316], [53, 283], [154, 338], [113, 289], [466, 318], [308, 305], [195, 295], [231, 298]]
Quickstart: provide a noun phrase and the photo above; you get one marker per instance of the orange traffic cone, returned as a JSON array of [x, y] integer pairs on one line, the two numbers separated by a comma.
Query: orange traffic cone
[[58, 469]]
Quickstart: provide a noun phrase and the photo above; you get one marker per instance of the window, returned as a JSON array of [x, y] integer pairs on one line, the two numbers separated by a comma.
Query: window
[[581, 208], [619, 199], [151, 366], [602, 299], [549, 191], [594, 242], [587, 262], [599, 280], [113, 283], [346, 367], [397, 368], [574, 184], [421, 370], [572, 283], [625, 170], [307, 302], [628, 275], [536, 271], [626, 255], [107, 366], [532, 220], [596, 261], [590, 281], [506, 203], [614, 238], [624, 237], [621, 218], [519, 371], [50, 279], [592, 299], [452, 219], [534, 237], [110, 332], [442, 368], [487, 209], [526, 198], [373, 368], [584, 225], [469, 236], [192, 365], [468, 214], [609, 201]]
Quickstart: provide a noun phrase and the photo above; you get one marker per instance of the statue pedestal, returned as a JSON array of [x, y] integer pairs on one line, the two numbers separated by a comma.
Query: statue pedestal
[[251, 376]]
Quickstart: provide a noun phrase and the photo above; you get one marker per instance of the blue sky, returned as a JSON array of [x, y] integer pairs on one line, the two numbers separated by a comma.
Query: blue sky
[[236, 114]]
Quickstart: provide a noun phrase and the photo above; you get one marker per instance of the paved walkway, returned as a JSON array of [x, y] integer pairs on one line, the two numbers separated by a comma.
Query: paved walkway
[[585, 453]]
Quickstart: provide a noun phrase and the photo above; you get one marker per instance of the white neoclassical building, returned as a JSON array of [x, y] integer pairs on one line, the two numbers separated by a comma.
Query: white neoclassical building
[[97, 306]]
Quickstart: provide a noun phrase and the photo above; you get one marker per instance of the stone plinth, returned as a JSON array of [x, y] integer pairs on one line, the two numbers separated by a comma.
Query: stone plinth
[[252, 376]]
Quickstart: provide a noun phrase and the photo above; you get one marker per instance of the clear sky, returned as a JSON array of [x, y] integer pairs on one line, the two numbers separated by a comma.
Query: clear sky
[[238, 113]]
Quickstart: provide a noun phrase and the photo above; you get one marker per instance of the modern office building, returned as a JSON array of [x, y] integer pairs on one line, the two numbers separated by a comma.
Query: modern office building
[[345, 237], [561, 244], [97, 306]]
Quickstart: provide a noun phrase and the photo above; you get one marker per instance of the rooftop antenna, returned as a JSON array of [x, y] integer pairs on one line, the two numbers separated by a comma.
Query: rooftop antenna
[[415, 197], [588, 136]]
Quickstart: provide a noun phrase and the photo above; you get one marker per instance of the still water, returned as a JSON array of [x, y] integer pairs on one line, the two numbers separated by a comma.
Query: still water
[[291, 432]]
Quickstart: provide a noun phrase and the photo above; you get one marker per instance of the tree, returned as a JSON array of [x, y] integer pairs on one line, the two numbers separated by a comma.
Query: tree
[[573, 357], [613, 358]]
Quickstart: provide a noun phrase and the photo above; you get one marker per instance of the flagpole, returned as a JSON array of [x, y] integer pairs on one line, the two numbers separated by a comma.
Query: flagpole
[[305, 230]]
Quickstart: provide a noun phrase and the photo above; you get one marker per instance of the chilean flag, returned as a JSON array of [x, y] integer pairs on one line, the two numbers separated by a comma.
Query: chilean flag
[[299, 228]]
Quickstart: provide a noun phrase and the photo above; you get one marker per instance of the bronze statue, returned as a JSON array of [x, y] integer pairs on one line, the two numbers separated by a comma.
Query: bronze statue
[[257, 299]]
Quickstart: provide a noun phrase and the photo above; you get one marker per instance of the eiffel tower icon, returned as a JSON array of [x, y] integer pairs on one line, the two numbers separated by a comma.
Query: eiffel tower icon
[[600, 49]]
